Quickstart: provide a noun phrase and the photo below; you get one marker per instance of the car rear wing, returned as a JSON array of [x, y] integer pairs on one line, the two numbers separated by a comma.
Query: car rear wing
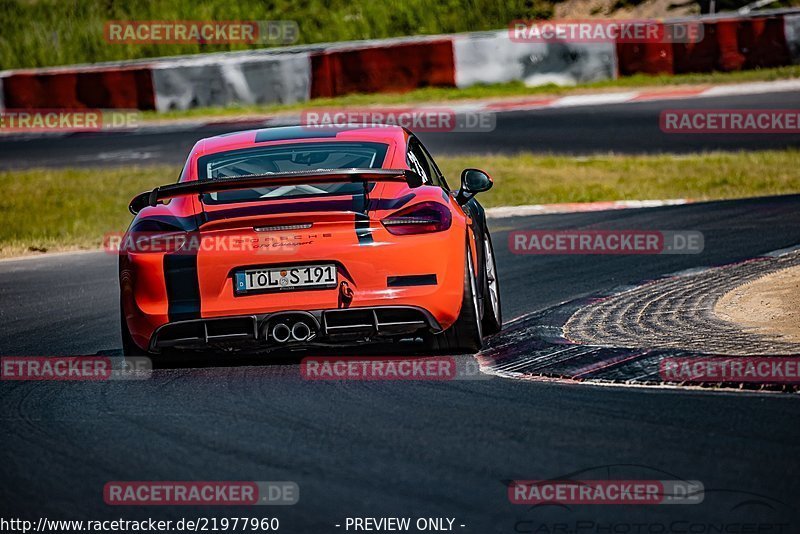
[[317, 176]]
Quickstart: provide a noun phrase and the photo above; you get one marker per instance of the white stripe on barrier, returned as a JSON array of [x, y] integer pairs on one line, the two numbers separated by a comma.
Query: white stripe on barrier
[[791, 30], [491, 57], [578, 207], [273, 79]]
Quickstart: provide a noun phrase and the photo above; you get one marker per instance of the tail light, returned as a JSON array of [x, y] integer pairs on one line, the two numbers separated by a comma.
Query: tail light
[[422, 218], [156, 237]]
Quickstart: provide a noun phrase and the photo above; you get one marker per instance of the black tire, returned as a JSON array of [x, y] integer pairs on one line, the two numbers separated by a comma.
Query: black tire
[[466, 334], [492, 320], [129, 347]]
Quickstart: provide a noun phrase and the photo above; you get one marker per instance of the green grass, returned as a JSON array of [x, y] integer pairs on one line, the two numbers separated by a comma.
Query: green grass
[[512, 89], [49, 210], [57, 32], [38, 33], [537, 179]]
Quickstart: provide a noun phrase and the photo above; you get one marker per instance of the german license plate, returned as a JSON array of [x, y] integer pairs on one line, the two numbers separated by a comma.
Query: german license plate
[[285, 278]]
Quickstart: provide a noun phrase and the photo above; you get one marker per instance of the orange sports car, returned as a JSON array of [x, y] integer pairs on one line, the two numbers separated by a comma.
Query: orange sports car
[[309, 236]]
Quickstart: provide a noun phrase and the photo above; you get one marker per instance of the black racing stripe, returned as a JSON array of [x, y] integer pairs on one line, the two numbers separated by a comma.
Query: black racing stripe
[[411, 280], [362, 229], [183, 286], [393, 203]]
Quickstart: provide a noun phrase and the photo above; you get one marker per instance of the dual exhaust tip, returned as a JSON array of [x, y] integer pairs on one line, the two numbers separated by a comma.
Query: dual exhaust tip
[[297, 331]]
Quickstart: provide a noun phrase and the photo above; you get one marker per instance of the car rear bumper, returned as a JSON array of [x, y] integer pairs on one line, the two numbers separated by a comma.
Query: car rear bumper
[[422, 272], [353, 325]]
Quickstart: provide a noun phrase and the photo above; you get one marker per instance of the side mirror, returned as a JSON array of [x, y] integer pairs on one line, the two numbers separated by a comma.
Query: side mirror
[[139, 202], [473, 181]]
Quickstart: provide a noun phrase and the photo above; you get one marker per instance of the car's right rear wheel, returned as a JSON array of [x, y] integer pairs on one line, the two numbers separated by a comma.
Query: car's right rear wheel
[[466, 334], [492, 309]]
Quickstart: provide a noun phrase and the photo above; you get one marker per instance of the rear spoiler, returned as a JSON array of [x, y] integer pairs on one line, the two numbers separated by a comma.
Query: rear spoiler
[[317, 176]]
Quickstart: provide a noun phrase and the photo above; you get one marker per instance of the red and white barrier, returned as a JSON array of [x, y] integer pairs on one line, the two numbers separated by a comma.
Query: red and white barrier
[[296, 74]]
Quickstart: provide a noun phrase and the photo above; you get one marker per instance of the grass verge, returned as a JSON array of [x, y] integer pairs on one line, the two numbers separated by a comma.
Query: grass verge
[[62, 32], [53, 210], [477, 92]]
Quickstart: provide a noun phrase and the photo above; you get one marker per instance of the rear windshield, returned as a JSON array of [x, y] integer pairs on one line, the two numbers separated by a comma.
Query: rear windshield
[[284, 158]]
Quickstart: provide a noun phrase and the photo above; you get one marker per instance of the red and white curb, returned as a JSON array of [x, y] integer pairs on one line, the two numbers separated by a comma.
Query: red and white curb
[[648, 95], [579, 207]]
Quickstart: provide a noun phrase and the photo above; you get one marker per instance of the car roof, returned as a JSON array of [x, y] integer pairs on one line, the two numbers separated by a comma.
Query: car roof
[[282, 134]]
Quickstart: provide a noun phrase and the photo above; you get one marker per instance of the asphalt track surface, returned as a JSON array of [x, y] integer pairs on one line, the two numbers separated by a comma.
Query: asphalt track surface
[[620, 128], [409, 449]]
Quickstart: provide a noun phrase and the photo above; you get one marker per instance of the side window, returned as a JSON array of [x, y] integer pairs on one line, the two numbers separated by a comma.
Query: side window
[[421, 161], [438, 176], [418, 162]]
